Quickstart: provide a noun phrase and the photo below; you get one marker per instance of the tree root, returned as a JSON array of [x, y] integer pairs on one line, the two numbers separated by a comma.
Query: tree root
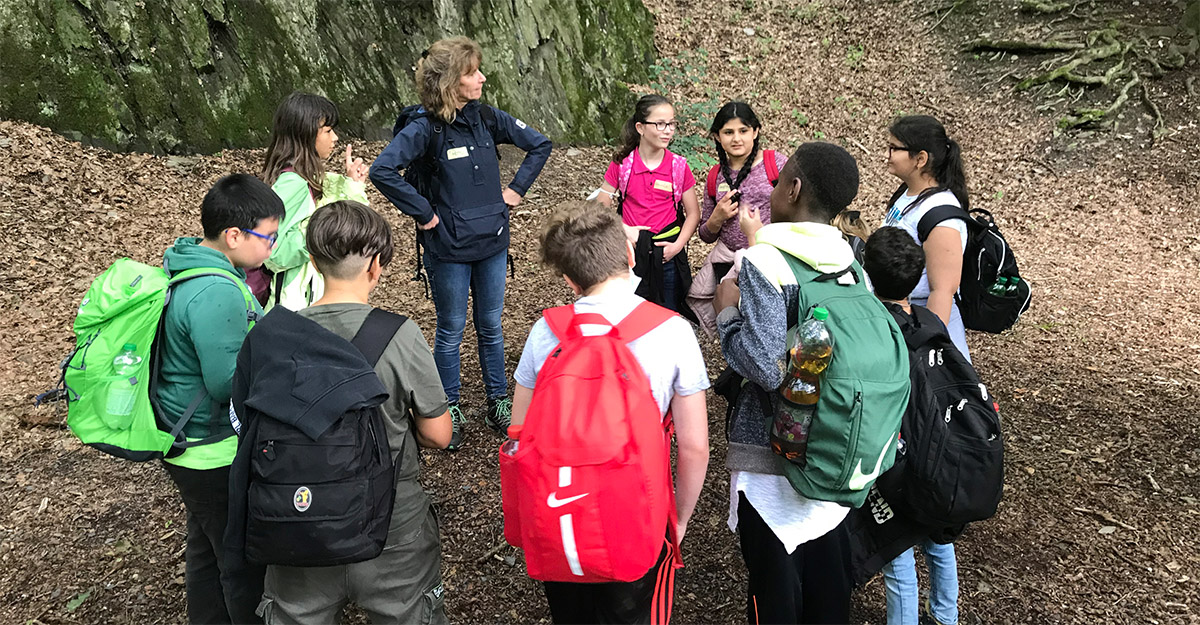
[[1092, 118], [1160, 127], [1015, 45], [1067, 71], [1045, 8]]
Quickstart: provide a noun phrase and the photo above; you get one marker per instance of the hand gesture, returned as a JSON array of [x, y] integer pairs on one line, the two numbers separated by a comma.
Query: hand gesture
[[727, 208], [749, 221], [356, 169]]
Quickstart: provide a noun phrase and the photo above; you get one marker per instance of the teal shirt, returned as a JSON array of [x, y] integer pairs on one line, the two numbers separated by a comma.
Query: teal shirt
[[205, 324]]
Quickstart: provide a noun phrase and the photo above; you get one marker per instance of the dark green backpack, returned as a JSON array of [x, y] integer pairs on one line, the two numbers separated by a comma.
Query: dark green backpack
[[864, 391]]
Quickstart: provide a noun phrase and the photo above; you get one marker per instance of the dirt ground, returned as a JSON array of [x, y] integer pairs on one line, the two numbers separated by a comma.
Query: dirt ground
[[1097, 383]]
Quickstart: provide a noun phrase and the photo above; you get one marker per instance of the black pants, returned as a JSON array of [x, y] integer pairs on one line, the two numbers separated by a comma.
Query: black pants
[[809, 585], [209, 598], [645, 601]]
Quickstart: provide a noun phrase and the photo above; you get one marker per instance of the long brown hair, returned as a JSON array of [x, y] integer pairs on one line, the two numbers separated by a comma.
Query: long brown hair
[[294, 139], [446, 61]]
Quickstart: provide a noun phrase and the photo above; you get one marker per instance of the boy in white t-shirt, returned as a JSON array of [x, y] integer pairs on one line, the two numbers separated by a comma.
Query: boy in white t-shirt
[[586, 243]]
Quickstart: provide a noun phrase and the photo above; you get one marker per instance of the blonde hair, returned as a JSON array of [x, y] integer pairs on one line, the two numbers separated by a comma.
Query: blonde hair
[[438, 74], [851, 224]]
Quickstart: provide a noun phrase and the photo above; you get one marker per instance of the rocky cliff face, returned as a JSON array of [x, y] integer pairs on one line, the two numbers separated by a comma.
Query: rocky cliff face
[[202, 75]]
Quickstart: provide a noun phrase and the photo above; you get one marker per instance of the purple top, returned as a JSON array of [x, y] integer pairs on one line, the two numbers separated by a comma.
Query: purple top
[[756, 192]]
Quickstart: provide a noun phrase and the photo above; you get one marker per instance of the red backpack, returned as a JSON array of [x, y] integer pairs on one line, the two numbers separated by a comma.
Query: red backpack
[[589, 495], [768, 162]]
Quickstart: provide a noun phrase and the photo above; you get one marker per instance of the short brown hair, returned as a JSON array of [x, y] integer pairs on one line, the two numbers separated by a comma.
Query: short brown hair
[[585, 241], [445, 63], [343, 236]]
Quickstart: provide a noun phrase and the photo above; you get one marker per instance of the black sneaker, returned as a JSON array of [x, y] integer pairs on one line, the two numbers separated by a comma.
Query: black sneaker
[[926, 617], [459, 421], [499, 414]]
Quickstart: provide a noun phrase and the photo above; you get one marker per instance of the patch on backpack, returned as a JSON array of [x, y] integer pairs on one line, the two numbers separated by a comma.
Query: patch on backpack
[[302, 499], [521, 124]]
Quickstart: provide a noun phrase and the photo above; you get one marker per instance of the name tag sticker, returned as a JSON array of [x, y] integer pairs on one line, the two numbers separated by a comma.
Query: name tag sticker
[[663, 185], [520, 124], [453, 153], [723, 187]]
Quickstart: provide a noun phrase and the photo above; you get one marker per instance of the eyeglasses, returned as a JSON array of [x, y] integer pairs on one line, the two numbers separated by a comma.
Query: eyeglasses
[[269, 238], [894, 148], [663, 126]]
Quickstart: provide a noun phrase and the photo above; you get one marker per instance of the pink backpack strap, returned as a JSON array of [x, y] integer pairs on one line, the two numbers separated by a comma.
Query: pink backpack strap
[[624, 172], [771, 165], [711, 183], [678, 165]]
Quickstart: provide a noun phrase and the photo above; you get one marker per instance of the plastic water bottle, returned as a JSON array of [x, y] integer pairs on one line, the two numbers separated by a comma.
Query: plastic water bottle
[[999, 287], [810, 351], [122, 389], [509, 447], [1011, 289]]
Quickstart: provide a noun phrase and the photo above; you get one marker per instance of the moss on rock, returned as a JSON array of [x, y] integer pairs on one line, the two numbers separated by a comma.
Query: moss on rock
[[203, 76]]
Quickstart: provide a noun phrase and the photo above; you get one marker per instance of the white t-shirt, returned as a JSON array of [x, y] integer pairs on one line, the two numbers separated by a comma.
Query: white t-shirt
[[669, 354], [909, 221]]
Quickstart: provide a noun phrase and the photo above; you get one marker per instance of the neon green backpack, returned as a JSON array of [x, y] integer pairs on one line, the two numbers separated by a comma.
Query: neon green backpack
[[124, 308]]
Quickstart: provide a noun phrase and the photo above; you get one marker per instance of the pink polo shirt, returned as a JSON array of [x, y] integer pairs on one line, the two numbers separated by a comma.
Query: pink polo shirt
[[649, 198]]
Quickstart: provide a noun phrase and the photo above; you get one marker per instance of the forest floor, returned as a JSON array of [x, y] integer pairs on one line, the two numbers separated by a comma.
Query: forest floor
[[1097, 383]]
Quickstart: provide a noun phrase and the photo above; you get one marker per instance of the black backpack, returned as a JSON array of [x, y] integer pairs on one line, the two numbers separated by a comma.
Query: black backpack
[[422, 173], [986, 258], [950, 465], [323, 501]]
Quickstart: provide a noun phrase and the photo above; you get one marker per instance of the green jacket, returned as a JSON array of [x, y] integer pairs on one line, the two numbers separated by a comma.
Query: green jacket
[[301, 283], [204, 325]]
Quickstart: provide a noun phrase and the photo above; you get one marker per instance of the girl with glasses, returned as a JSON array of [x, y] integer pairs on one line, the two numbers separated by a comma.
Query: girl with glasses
[[930, 168], [651, 188], [302, 139]]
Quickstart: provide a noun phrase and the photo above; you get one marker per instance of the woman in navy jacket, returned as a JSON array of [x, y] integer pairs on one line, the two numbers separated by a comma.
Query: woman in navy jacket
[[463, 217]]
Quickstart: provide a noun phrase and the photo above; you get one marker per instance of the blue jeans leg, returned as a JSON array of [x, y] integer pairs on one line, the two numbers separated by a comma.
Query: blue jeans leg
[[450, 284], [900, 584], [943, 581], [487, 286]]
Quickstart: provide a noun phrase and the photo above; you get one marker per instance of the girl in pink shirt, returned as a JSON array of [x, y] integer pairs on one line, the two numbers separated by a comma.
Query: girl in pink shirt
[[651, 188]]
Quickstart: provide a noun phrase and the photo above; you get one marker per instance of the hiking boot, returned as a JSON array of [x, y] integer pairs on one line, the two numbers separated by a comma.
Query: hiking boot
[[499, 414], [459, 422]]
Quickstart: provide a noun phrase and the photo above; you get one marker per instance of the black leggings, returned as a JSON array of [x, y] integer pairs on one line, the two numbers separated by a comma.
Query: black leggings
[[809, 585]]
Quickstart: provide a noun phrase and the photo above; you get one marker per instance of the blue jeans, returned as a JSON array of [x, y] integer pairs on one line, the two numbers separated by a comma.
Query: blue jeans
[[451, 283], [900, 582]]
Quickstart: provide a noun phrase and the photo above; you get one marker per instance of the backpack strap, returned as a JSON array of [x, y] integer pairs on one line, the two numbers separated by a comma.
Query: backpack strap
[[937, 215], [376, 333], [772, 166], [642, 319], [678, 165], [710, 184], [624, 172]]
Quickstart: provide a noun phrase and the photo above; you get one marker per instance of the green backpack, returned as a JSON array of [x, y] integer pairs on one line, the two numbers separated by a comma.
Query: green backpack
[[125, 306], [864, 391]]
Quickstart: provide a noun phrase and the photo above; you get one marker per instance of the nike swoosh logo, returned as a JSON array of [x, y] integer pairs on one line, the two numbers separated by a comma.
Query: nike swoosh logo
[[554, 502], [858, 480]]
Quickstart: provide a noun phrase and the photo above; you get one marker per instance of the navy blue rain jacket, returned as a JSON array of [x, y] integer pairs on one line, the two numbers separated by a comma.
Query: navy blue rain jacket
[[472, 216]]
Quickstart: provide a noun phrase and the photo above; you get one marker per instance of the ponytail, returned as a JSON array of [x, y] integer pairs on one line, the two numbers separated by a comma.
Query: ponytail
[[629, 134], [951, 176], [851, 224]]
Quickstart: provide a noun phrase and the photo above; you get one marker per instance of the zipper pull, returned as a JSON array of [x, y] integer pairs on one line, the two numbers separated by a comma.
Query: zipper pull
[[269, 450]]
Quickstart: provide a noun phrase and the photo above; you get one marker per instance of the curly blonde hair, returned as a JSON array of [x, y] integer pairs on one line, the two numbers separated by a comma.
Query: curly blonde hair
[[438, 73]]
